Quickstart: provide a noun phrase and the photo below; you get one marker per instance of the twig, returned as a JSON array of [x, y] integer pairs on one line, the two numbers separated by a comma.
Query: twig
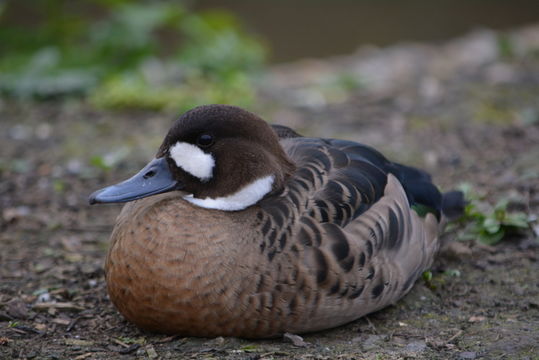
[[119, 342], [72, 324], [129, 349], [371, 325], [57, 305], [455, 336]]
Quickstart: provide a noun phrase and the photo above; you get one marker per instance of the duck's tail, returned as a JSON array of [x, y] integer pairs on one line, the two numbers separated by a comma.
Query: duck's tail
[[423, 194], [453, 204]]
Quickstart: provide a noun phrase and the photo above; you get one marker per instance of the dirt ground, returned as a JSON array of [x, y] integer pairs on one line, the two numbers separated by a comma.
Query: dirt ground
[[467, 110]]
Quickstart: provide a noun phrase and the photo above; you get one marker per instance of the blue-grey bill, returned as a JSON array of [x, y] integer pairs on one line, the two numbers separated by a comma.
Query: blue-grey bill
[[154, 178]]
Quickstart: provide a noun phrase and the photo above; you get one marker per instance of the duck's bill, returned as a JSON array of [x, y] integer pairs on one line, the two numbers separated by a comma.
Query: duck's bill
[[154, 178]]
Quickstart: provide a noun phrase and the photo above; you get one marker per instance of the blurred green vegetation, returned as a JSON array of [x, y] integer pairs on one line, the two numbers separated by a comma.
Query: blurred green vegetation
[[486, 223], [125, 54]]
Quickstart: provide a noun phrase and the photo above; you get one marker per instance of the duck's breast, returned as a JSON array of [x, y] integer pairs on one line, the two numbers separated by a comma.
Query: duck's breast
[[174, 267]]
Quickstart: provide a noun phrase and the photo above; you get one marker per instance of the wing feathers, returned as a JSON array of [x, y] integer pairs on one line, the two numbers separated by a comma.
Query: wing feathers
[[355, 239]]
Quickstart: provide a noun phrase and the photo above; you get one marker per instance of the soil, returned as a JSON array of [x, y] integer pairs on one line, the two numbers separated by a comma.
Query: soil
[[467, 110]]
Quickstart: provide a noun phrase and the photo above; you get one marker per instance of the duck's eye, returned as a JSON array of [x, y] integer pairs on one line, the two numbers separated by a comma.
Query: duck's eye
[[205, 140]]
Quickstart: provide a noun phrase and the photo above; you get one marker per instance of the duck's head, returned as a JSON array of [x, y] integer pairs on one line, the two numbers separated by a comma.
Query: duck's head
[[219, 156]]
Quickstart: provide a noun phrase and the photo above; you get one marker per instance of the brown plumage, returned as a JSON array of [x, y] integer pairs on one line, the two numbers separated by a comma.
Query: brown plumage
[[334, 238]]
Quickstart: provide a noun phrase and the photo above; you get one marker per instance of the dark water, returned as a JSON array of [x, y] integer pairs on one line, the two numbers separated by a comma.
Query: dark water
[[316, 28]]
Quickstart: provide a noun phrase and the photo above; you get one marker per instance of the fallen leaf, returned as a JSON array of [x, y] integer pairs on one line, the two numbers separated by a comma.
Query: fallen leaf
[[78, 342], [74, 258], [72, 244], [473, 319], [61, 321], [435, 343], [41, 327], [456, 250], [218, 341], [296, 340], [249, 348], [172, 338], [152, 354], [84, 356]]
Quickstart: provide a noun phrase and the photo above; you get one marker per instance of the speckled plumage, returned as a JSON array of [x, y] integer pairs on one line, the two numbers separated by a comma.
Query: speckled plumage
[[335, 240]]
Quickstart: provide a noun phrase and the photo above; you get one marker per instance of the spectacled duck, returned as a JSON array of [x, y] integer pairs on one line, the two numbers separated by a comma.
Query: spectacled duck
[[239, 228]]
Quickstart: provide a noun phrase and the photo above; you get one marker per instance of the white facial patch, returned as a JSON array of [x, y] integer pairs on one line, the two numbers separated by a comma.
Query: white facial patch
[[193, 160], [244, 198]]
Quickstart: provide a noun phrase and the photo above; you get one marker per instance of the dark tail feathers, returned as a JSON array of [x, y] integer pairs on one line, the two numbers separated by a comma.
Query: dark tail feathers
[[420, 190], [453, 204]]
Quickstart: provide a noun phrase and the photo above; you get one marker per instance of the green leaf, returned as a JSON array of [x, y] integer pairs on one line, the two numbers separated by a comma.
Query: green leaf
[[129, 340], [518, 220], [427, 276], [501, 205], [491, 225], [250, 348], [452, 272], [58, 185], [99, 162], [486, 223], [491, 238]]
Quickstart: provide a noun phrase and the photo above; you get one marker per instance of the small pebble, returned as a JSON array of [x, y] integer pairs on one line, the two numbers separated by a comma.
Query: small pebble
[[45, 297], [16, 308], [19, 132], [468, 355], [416, 346]]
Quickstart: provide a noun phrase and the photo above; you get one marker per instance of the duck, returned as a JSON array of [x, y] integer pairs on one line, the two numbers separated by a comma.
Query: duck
[[240, 228]]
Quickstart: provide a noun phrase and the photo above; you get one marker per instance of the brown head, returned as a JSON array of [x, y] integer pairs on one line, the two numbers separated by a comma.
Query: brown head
[[225, 157]]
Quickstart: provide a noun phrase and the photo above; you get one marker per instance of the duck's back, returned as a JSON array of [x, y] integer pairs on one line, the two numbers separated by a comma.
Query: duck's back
[[346, 222]]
